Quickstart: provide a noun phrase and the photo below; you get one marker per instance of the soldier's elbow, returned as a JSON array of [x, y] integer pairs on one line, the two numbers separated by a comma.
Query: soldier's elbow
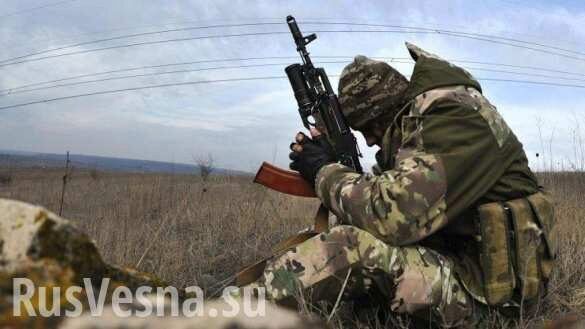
[[396, 233]]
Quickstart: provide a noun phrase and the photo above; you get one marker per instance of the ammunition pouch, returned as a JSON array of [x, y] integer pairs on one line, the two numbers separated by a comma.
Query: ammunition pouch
[[518, 247]]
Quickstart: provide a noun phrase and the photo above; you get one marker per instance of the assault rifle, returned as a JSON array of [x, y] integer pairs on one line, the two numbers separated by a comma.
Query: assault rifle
[[319, 108]]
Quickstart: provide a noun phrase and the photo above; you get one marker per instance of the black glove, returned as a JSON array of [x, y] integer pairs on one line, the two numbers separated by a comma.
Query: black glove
[[309, 155]]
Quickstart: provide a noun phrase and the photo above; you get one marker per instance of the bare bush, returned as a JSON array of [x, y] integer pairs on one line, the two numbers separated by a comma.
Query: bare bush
[[5, 178], [206, 166], [94, 174]]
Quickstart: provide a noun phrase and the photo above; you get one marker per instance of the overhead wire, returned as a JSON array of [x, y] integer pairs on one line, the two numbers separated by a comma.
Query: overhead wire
[[440, 31], [495, 41], [544, 48], [27, 10], [127, 36], [198, 82], [412, 30], [408, 27], [12, 91], [167, 24], [15, 89], [147, 75], [87, 75], [137, 27], [136, 89], [190, 39]]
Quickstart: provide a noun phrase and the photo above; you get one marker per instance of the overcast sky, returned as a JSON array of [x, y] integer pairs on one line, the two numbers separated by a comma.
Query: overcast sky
[[243, 123]]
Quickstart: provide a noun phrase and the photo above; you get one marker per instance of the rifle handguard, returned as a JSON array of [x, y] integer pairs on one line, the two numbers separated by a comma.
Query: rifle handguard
[[285, 181]]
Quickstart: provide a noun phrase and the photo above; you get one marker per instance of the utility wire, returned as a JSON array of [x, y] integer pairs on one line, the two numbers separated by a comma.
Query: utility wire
[[20, 91], [148, 75], [179, 23], [142, 44], [446, 31], [495, 41], [196, 38], [543, 83], [15, 89], [472, 36], [476, 36], [537, 68], [9, 90], [138, 88], [71, 37], [188, 83], [85, 43], [27, 10]]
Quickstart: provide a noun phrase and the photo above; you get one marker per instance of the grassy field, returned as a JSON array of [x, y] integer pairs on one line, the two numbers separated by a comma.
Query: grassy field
[[194, 232]]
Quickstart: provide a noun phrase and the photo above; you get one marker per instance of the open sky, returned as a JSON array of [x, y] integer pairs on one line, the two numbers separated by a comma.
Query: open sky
[[243, 123]]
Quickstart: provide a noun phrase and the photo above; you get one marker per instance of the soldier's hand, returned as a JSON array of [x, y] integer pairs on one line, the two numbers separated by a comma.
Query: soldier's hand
[[309, 155]]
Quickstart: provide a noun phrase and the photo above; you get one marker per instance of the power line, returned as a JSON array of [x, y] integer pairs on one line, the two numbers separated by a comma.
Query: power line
[[495, 41], [138, 88], [543, 83], [166, 85], [150, 74], [167, 24], [22, 90], [523, 73], [441, 31], [278, 19], [142, 44], [419, 30], [537, 68], [391, 59], [8, 90], [416, 28], [194, 38], [127, 36], [27, 10]]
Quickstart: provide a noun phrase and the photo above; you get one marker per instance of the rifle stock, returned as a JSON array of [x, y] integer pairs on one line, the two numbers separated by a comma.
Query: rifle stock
[[285, 181]]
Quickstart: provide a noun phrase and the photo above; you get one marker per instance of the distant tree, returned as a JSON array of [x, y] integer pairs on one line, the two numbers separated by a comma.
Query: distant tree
[[206, 166], [94, 174], [5, 178]]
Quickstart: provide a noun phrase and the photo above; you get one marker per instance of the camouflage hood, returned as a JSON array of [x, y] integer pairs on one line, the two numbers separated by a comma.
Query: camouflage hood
[[431, 71]]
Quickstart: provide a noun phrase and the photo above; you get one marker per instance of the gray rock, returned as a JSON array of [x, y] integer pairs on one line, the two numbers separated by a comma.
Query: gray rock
[[51, 252]]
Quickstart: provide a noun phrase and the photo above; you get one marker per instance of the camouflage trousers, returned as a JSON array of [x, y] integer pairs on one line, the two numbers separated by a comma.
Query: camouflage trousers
[[413, 280]]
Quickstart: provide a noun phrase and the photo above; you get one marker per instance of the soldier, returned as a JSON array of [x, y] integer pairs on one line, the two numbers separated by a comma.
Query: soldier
[[452, 217]]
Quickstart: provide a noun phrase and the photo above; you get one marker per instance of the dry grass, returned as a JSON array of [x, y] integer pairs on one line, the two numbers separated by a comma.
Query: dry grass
[[191, 232], [185, 230]]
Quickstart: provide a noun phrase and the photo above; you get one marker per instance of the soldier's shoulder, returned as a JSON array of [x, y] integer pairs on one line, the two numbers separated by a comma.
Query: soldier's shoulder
[[461, 101]]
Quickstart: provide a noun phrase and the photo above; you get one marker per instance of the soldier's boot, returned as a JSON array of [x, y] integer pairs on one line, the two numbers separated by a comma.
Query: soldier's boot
[[413, 280]]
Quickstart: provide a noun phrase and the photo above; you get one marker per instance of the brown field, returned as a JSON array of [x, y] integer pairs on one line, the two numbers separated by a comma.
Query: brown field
[[191, 232]]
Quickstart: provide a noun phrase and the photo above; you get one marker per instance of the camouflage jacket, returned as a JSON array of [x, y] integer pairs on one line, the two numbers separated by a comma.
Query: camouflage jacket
[[448, 152]]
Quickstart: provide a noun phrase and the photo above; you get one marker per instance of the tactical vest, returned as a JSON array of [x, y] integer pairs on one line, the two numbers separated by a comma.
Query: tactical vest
[[505, 249]]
